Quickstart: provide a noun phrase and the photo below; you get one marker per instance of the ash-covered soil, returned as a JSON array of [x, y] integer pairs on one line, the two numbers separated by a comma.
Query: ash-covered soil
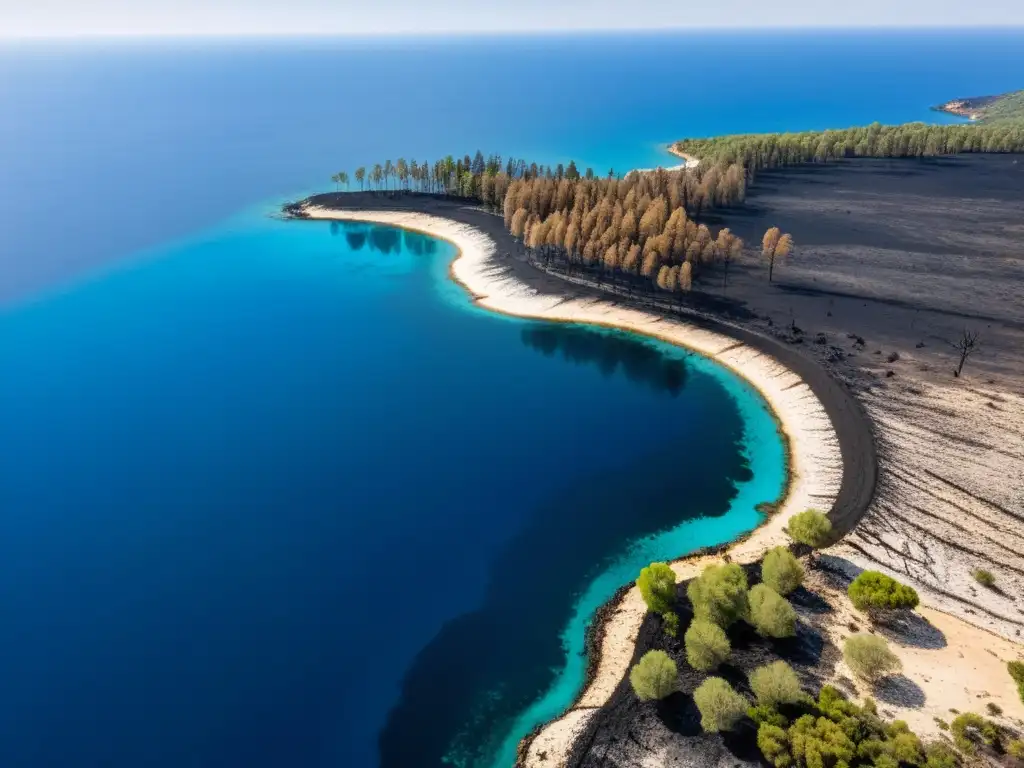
[[904, 254]]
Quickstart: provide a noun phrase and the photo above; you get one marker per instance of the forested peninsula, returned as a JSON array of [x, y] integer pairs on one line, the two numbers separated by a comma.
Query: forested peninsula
[[989, 109]]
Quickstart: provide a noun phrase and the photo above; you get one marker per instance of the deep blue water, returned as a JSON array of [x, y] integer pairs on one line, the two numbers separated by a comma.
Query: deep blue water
[[275, 493]]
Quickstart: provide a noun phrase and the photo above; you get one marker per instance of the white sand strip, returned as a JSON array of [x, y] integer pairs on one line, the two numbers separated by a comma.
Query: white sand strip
[[816, 465], [689, 161]]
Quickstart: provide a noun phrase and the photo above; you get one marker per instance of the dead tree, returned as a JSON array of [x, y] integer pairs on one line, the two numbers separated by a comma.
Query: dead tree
[[965, 345]]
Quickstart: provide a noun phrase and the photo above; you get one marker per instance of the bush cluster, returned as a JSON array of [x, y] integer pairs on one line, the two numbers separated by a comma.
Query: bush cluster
[[794, 730], [810, 527], [657, 584], [775, 684], [707, 645], [970, 730], [781, 571], [869, 657], [771, 614], [654, 677], [721, 708], [873, 592], [719, 594], [833, 732]]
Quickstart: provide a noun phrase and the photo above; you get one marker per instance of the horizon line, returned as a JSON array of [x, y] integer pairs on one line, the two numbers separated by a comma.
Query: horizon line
[[567, 31]]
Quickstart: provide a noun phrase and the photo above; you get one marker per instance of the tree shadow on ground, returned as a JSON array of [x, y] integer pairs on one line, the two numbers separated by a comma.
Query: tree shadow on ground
[[805, 600], [912, 629], [742, 742], [680, 715], [900, 691]]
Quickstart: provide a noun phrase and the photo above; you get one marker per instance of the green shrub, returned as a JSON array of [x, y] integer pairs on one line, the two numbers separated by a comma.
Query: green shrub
[[907, 749], [834, 705], [775, 684], [1016, 670], [983, 577], [970, 729], [819, 743], [873, 591], [870, 749], [706, 645], [896, 727], [943, 725], [719, 595], [654, 677], [940, 755], [670, 623], [773, 742], [885, 760], [1016, 749], [766, 713], [657, 583], [781, 571], [720, 706], [771, 615], [810, 527], [994, 709], [869, 657]]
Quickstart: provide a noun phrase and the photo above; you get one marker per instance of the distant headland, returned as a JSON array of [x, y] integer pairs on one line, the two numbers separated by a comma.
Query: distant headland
[[1001, 106]]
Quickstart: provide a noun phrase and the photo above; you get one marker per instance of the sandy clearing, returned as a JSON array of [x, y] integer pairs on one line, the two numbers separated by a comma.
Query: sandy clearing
[[948, 664]]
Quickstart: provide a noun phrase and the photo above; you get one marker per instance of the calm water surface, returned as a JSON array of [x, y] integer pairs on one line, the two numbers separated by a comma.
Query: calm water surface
[[275, 493]]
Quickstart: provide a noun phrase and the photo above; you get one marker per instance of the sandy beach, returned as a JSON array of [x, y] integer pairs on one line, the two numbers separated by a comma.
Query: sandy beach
[[689, 161]]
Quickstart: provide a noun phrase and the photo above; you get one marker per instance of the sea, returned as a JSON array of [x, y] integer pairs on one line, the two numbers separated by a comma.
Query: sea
[[277, 493]]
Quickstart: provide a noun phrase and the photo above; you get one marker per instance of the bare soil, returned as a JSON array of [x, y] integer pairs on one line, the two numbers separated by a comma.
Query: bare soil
[[903, 254]]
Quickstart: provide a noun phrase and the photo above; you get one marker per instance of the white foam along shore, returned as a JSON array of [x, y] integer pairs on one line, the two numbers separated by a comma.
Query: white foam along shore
[[815, 461], [689, 161]]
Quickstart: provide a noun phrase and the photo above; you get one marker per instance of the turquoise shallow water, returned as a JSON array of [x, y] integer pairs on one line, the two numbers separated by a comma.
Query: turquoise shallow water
[[276, 493]]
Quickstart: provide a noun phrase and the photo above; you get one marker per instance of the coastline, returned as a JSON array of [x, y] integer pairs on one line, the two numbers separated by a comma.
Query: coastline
[[832, 464], [689, 161]]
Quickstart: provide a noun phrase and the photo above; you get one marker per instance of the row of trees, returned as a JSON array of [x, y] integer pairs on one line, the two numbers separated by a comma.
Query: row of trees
[[755, 152], [485, 178], [642, 230]]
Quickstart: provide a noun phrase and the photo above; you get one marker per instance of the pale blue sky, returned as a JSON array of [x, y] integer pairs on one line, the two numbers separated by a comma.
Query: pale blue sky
[[176, 17]]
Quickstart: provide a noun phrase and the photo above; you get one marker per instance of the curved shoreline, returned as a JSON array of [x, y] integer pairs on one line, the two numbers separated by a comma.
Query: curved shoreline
[[832, 463], [689, 161]]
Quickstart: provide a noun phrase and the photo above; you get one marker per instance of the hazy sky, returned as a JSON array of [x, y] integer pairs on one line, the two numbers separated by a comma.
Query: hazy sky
[[176, 17]]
